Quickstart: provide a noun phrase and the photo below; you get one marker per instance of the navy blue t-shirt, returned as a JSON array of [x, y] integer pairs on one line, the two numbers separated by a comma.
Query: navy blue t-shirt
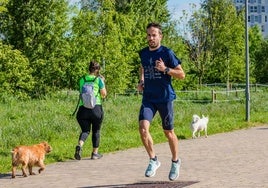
[[157, 85]]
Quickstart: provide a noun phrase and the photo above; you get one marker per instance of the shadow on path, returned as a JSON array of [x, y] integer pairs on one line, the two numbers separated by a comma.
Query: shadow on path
[[150, 184], [5, 176]]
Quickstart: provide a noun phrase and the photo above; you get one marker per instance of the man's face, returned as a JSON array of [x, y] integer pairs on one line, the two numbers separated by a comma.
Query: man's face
[[154, 38]]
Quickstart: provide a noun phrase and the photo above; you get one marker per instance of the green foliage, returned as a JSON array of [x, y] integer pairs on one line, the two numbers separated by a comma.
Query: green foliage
[[150, 11], [261, 63], [114, 38], [38, 29], [176, 43], [217, 44], [56, 42], [2, 5], [15, 73], [98, 44]]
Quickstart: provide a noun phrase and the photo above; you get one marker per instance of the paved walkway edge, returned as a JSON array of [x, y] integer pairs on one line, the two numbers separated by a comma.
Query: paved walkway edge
[[235, 159]]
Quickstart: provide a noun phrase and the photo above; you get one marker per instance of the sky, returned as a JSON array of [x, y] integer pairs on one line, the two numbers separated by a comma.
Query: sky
[[176, 7]]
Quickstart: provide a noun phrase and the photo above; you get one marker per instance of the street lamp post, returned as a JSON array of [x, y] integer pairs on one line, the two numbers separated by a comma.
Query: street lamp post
[[228, 72], [247, 92]]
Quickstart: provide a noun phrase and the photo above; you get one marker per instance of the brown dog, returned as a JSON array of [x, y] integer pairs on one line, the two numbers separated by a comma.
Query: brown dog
[[29, 156]]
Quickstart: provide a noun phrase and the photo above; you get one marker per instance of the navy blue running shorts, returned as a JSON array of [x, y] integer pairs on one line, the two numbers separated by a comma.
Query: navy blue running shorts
[[148, 111]]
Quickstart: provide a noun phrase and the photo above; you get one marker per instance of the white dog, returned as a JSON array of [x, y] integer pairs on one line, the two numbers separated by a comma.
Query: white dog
[[199, 124]]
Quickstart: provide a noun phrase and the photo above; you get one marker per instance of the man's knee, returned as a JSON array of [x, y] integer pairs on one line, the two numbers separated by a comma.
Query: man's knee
[[170, 134], [144, 126]]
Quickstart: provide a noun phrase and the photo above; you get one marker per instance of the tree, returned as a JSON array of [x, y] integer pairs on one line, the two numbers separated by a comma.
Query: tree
[[261, 63], [255, 45], [15, 73], [38, 29], [217, 43], [99, 34], [59, 42], [112, 32]]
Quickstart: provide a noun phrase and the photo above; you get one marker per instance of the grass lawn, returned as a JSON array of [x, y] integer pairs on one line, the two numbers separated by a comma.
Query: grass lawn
[[30, 122]]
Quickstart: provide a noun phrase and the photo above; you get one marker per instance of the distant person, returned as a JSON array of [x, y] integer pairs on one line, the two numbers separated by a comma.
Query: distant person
[[91, 119], [158, 65]]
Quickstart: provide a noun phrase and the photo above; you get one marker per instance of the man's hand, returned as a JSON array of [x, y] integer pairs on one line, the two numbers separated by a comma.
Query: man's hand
[[160, 65], [140, 86]]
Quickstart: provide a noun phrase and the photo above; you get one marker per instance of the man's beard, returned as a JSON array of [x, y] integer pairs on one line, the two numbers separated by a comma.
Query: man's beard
[[153, 44]]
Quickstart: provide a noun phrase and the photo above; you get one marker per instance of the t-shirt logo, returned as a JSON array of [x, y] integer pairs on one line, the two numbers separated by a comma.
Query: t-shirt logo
[[150, 72]]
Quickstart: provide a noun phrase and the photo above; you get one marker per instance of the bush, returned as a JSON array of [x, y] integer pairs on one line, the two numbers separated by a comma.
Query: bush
[[15, 73]]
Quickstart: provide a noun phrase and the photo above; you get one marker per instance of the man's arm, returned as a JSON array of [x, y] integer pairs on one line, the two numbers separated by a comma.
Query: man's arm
[[141, 81], [176, 72]]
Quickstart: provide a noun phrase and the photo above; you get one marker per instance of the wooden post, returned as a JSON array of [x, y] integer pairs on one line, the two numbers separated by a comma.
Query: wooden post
[[213, 96]]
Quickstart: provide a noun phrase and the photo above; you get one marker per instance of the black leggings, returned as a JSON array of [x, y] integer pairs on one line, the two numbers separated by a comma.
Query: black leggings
[[88, 118]]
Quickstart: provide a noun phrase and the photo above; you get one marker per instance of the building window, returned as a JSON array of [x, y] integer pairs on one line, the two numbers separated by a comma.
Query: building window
[[253, 9], [248, 18], [266, 19], [262, 8], [256, 18], [262, 28]]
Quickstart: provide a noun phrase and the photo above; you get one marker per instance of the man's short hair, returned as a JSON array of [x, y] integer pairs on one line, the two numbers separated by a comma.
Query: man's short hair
[[156, 25]]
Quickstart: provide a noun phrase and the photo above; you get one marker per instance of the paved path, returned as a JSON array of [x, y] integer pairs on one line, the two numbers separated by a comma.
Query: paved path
[[236, 159]]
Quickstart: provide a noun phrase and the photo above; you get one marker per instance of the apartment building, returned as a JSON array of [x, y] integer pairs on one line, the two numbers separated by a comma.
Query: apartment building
[[257, 13]]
